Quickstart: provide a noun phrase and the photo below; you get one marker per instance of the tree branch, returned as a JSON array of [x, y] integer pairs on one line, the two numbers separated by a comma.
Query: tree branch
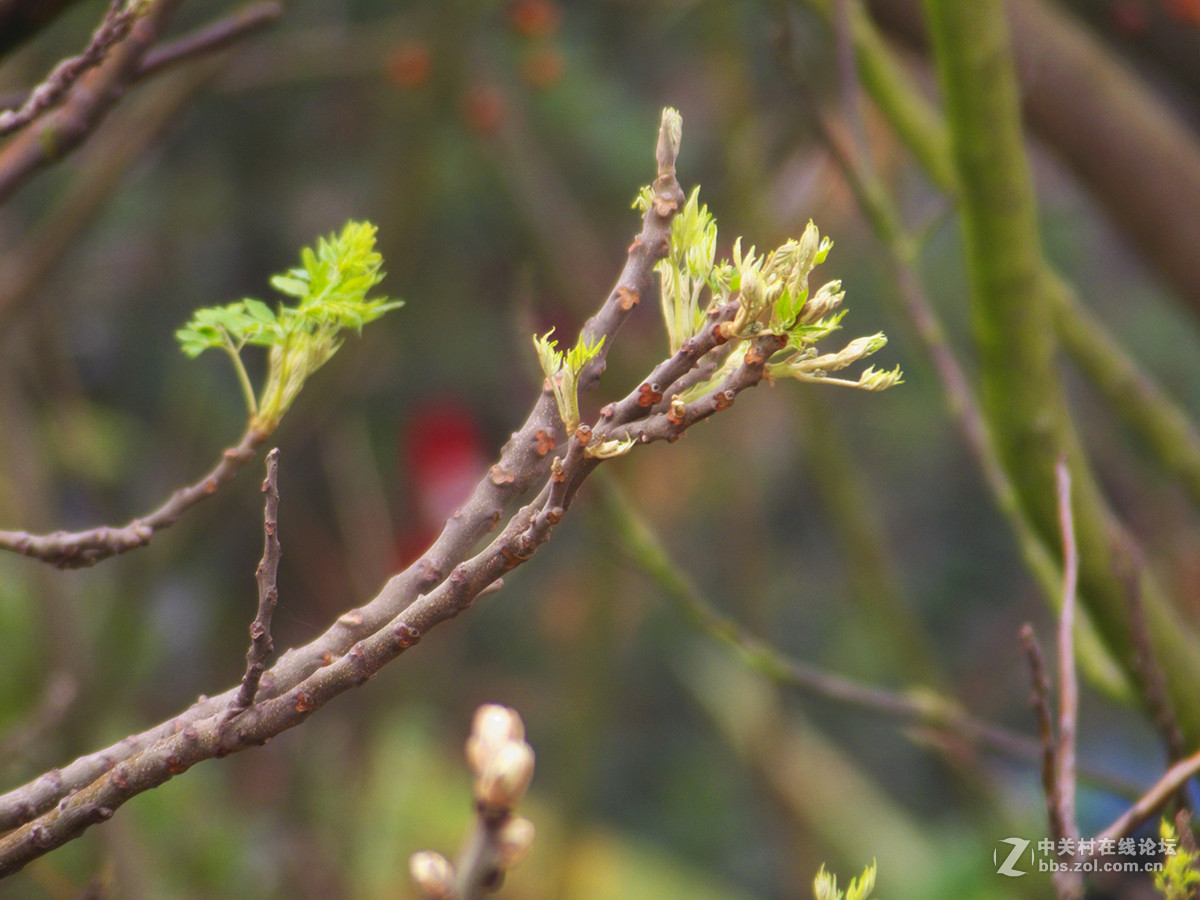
[[435, 588], [56, 134], [73, 550], [112, 29], [261, 645], [211, 38], [1175, 779]]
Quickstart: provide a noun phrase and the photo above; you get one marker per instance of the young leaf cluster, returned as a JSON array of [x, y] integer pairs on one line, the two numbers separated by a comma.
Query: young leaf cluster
[[773, 298], [562, 373], [1180, 875], [330, 288], [825, 886]]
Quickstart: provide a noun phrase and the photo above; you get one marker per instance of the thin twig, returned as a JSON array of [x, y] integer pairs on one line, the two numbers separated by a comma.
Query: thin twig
[[1039, 699], [211, 38], [1068, 685], [261, 645], [1068, 883], [105, 161], [73, 550], [1150, 675], [55, 134], [112, 29], [1154, 799]]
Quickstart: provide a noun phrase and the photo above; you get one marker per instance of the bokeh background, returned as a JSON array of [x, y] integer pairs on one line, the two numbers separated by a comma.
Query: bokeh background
[[498, 147]]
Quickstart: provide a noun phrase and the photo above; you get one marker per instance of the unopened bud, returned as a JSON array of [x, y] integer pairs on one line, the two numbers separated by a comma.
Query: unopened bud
[[872, 380], [806, 253], [513, 841], [827, 298], [493, 727], [433, 875], [752, 293], [506, 776]]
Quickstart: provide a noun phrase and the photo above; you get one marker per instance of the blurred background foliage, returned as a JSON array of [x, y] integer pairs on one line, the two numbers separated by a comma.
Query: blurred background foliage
[[498, 146]]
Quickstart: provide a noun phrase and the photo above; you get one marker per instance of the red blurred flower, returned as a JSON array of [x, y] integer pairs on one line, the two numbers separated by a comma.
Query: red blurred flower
[[534, 18], [442, 456], [410, 65]]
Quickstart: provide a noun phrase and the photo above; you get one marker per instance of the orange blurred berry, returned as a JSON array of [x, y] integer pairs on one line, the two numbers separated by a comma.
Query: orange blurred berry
[[1187, 11], [410, 65], [483, 110], [542, 68], [534, 18]]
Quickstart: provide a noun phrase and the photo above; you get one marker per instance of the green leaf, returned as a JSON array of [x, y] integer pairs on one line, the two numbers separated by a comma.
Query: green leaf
[[331, 290]]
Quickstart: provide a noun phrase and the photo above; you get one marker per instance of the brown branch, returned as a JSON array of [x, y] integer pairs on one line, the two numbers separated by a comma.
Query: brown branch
[[1174, 781], [261, 645], [211, 736], [1150, 676], [1068, 690], [362, 639], [1039, 700], [211, 38], [1068, 884], [203, 732], [112, 29], [73, 550], [92, 97]]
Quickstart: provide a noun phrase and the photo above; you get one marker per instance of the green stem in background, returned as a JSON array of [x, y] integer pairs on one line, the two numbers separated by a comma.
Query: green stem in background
[[880, 210], [1167, 429], [936, 713], [899, 638], [1011, 300]]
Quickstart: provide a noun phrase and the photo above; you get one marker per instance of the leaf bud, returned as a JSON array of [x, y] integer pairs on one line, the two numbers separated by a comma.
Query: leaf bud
[[493, 727], [505, 777], [433, 875], [513, 840]]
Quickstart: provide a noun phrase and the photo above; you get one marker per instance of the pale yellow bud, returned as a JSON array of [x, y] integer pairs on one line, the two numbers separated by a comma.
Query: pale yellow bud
[[827, 298], [433, 875], [513, 841], [493, 727], [505, 777]]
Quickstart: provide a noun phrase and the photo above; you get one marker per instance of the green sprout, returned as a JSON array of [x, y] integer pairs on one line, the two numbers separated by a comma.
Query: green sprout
[[825, 885], [562, 372], [1179, 877], [686, 271], [773, 298], [330, 287]]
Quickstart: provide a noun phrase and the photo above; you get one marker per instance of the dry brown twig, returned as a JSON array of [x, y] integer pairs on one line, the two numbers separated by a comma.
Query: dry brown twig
[[72, 550], [113, 28], [261, 644], [66, 108], [1058, 750]]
